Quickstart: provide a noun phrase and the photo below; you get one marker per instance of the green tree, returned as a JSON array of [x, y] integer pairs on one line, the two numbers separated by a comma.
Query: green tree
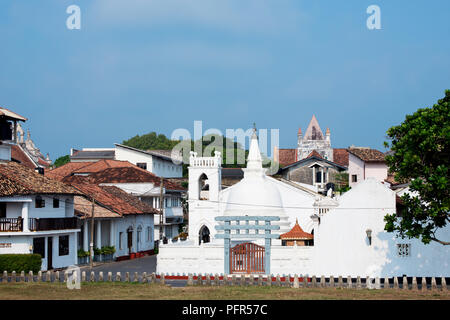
[[61, 161], [421, 157]]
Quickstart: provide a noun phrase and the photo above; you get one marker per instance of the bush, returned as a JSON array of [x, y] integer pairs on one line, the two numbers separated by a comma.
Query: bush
[[97, 251], [108, 250], [20, 262], [82, 253]]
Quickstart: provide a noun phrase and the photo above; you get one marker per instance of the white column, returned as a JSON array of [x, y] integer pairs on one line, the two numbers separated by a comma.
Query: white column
[[321, 170], [112, 234], [99, 235], [25, 209], [75, 248], [86, 235], [314, 175]]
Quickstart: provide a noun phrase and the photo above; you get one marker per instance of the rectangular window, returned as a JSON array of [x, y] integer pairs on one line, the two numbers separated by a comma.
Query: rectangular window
[[39, 202], [39, 246], [120, 240], [2, 209], [404, 250], [63, 245], [354, 178], [55, 203], [142, 165]]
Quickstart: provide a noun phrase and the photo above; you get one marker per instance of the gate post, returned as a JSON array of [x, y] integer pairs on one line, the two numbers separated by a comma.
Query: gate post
[[227, 248], [267, 250]]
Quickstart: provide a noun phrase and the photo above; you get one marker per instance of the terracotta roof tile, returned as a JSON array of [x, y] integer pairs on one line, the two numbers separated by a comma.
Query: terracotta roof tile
[[114, 199], [65, 170], [16, 179], [19, 155], [340, 156], [296, 233], [314, 153], [367, 154], [102, 165], [287, 156]]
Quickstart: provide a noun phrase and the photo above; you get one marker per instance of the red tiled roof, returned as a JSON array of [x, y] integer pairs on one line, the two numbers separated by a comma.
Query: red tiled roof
[[340, 156], [296, 233], [132, 174], [287, 156], [66, 170], [367, 154], [16, 179], [102, 165], [19, 155], [114, 199], [314, 153]]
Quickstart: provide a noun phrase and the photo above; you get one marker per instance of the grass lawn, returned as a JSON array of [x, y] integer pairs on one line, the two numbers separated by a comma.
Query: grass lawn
[[122, 291]]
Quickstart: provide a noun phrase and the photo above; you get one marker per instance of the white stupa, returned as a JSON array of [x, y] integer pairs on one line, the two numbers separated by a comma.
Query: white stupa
[[255, 194]]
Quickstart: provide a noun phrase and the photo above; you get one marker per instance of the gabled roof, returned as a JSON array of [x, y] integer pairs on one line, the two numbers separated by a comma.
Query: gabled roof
[[102, 165], [314, 153], [162, 154], [340, 156], [296, 233], [287, 156], [367, 154], [65, 170], [9, 115], [114, 199], [16, 179], [20, 156], [313, 157]]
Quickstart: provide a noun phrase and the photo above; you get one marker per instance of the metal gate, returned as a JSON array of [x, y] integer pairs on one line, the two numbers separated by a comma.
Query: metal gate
[[247, 258]]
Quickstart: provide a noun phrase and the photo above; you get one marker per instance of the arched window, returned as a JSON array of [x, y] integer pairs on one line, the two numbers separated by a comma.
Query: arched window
[[203, 187], [203, 235]]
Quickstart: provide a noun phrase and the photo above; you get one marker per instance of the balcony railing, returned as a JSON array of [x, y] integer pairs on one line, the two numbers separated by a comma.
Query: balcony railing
[[11, 224], [46, 224], [38, 224]]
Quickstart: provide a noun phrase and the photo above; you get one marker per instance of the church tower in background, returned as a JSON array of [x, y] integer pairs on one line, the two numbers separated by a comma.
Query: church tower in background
[[314, 139]]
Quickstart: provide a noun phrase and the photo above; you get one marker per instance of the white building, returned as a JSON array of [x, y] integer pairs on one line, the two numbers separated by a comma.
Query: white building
[[159, 162], [120, 220], [228, 228], [364, 163], [36, 213]]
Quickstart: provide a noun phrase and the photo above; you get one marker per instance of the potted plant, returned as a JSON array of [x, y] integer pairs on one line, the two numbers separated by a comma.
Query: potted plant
[[107, 253], [83, 256], [97, 254]]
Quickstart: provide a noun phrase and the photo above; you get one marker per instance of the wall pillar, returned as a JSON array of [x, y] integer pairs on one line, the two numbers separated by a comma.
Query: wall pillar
[[86, 235], [112, 235], [25, 210], [227, 247], [98, 244], [75, 248], [268, 244], [322, 176]]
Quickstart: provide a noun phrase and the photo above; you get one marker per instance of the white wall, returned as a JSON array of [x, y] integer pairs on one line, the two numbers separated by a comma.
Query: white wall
[[355, 166], [121, 225], [156, 165], [343, 247], [21, 244], [377, 170]]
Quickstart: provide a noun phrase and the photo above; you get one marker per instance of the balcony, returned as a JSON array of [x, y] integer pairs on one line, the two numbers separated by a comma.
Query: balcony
[[48, 224], [11, 224], [38, 224]]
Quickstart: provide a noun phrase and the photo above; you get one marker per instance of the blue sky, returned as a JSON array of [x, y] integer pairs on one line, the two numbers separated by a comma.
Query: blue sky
[[139, 66]]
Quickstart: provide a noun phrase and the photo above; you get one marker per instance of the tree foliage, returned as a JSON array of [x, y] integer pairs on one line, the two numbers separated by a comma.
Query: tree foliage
[[421, 157], [207, 144], [61, 161]]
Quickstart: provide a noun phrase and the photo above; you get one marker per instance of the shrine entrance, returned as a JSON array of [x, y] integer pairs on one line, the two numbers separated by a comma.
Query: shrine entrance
[[247, 258]]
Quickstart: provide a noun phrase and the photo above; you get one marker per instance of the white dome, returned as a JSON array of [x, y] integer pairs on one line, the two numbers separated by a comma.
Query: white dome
[[253, 197], [255, 194]]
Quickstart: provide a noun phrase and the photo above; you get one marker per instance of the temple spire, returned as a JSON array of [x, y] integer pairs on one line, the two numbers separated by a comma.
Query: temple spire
[[254, 160]]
